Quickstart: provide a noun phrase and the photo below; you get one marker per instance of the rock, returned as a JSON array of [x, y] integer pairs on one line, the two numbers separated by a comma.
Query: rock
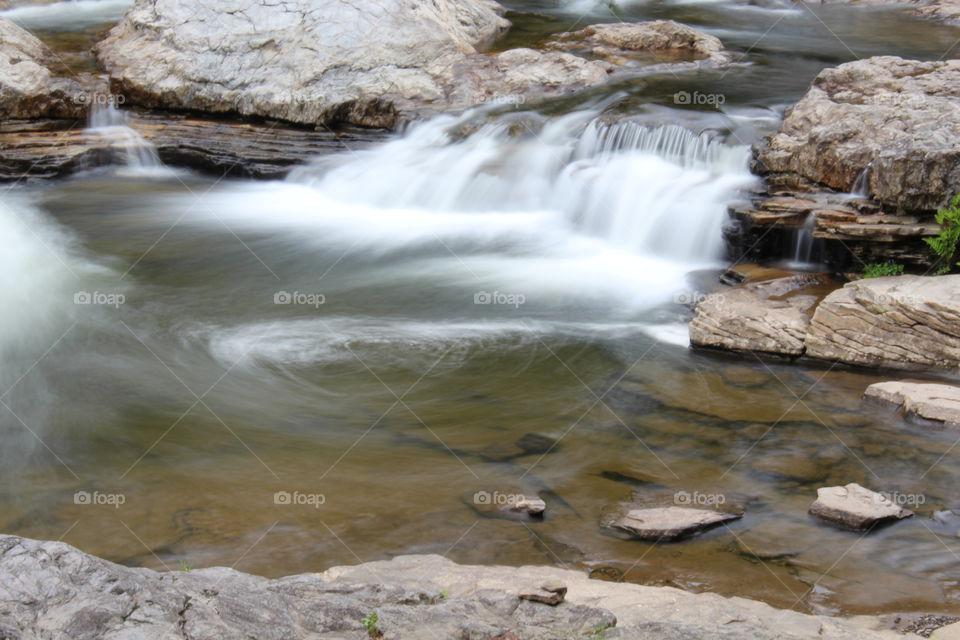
[[508, 504], [949, 632], [328, 61], [898, 117], [741, 376], [54, 148], [664, 524], [551, 593], [855, 507], [899, 322], [669, 41], [51, 590], [946, 11], [934, 403], [760, 317], [28, 88]]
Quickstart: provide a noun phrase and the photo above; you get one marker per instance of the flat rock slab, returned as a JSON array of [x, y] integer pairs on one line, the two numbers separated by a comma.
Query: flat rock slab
[[670, 523], [855, 507], [902, 322], [934, 403]]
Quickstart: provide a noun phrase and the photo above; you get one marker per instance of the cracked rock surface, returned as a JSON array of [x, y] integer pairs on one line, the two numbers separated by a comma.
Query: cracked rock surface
[[900, 118], [50, 590]]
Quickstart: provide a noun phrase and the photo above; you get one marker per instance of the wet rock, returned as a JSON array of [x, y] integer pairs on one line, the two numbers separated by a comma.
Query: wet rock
[[551, 593], [855, 507], [28, 88], [508, 504], [790, 467], [747, 377], [758, 317], [899, 322], [664, 524], [527, 444], [899, 117], [666, 40], [931, 403]]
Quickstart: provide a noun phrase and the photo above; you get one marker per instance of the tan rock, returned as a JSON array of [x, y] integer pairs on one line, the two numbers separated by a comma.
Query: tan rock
[[900, 322], [937, 403], [670, 523], [855, 507]]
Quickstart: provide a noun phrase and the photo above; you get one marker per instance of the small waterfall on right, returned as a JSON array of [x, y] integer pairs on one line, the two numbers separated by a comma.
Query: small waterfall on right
[[128, 148], [807, 250], [861, 186]]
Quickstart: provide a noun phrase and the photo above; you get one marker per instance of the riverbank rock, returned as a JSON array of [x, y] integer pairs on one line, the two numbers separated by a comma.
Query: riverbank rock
[[28, 89], [899, 118], [855, 507], [899, 322], [937, 404], [768, 317], [51, 590]]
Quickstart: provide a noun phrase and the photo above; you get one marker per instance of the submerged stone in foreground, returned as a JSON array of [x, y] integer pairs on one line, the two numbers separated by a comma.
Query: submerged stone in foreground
[[51, 590], [855, 507], [937, 404], [666, 524]]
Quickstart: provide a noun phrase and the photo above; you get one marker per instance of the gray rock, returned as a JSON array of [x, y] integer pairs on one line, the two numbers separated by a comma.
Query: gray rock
[[663, 524], [28, 89], [932, 403], [900, 322], [51, 591], [855, 507], [900, 117]]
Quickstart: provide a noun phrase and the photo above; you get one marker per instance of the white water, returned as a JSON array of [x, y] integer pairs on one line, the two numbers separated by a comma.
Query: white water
[[653, 192], [861, 186], [112, 129], [75, 15], [804, 241]]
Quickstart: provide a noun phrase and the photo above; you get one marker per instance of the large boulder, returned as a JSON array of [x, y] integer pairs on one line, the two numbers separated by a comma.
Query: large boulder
[[50, 590], [28, 89], [900, 322], [898, 119], [855, 507]]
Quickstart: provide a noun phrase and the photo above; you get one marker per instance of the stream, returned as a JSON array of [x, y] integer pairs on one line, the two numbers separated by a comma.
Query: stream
[[483, 302]]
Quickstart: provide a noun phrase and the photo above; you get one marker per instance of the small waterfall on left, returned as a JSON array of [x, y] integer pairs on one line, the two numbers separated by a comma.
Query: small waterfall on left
[[111, 127]]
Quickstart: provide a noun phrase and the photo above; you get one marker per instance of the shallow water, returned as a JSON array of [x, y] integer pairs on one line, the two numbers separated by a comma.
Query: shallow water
[[388, 327]]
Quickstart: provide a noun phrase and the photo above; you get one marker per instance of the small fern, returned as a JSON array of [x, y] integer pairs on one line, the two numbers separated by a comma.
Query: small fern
[[944, 245], [881, 269]]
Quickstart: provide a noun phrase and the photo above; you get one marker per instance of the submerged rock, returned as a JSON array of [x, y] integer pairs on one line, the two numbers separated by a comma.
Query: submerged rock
[[900, 322], [899, 118], [931, 403], [855, 507], [665, 524]]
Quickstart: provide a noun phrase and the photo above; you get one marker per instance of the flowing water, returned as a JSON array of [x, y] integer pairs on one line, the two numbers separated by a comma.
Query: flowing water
[[486, 302]]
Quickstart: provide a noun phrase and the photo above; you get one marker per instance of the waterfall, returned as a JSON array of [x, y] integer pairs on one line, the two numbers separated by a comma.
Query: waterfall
[[659, 191], [111, 127], [861, 186]]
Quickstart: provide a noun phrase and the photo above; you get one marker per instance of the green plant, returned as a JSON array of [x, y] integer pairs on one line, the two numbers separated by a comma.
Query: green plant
[[944, 245], [185, 566], [444, 594], [369, 623], [881, 269]]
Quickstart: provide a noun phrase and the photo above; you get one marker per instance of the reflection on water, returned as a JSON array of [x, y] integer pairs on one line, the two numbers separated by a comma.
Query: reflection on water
[[466, 308]]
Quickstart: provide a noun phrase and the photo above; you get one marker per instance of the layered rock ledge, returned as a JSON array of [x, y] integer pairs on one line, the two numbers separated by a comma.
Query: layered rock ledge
[[902, 322], [51, 590]]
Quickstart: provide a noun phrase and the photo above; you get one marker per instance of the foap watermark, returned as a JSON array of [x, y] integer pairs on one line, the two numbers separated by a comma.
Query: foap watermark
[[699, 99], [892, 298], [99, 99], [101, 298], [497, 498], [902, 499], [506, 99], [97, 498], [499, 298], [693, 298], [695, 498], [300, 298], [299, 499]]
